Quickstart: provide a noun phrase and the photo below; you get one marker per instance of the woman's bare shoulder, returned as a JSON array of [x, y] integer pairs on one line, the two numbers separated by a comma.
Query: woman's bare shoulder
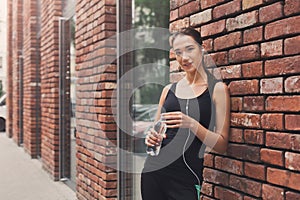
[[220, 90]]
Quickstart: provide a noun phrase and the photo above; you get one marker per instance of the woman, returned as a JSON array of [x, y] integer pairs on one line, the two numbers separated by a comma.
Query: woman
[[196, 111]]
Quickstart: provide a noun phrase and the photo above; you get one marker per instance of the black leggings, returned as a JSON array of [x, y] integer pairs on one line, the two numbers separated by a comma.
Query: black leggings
[[154, 186]]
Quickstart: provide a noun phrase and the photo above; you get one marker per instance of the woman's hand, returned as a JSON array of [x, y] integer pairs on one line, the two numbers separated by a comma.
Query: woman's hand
[[177, 120], [153, 138]]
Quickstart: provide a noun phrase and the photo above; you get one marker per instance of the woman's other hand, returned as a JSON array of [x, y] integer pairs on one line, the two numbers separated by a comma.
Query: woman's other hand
[[177, 120], [153, 138]]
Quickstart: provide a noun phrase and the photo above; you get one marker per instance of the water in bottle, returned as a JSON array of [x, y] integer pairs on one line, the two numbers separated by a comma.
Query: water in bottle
[[160, 127]]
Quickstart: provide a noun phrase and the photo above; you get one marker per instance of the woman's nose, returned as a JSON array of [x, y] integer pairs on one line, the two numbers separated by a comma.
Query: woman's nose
[[185, 56]]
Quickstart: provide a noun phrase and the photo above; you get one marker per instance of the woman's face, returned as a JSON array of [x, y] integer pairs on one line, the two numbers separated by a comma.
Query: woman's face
[[188, 53]]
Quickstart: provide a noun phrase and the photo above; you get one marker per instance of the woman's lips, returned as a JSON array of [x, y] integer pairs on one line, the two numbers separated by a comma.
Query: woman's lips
[[187, 64]]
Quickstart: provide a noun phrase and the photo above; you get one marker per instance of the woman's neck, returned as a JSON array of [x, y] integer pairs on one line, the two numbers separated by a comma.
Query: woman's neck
[[198, 77]]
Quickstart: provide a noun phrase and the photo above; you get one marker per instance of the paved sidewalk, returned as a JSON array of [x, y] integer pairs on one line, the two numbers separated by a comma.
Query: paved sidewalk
[[22, 178]]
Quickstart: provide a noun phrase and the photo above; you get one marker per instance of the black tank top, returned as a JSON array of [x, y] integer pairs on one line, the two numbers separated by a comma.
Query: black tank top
[[170, 161]]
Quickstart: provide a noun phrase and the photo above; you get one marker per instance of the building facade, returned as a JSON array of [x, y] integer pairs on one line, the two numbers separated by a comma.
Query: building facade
[[66, 106], [3, 55]]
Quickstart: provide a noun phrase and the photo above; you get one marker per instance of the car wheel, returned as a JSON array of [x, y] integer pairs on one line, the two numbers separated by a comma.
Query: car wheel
[[2, 124]]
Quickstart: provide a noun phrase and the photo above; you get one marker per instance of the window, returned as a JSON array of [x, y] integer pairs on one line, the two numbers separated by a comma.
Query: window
[[148, 61]]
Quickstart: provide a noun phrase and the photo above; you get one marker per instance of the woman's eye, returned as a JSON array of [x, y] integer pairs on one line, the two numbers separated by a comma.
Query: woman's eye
[[178, 53], [190, 49]]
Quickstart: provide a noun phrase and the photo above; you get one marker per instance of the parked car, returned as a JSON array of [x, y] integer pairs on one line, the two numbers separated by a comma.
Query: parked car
[[2, 112], [143, 118]]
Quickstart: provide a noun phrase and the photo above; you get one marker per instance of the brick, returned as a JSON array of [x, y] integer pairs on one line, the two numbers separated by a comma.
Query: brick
[[292, 195], [245, 53], [242, 21], [272, 121], [292, 84], [292, 122], [208, 44], [291, 7], [271, 12], [243, 87], [229, 165], [273, 157], [292, 46], [209, 160], [207, 188], [283, 27], [189, 8], [230, 40], [210, 3], [278, 140], [222, 193], [256, 171], [284, 178], [292, 161], [271, 86], [213, 28], [227, 9], [253, 35], [216, 59], [236, 135], [251, 3], [201, 17], [174, 15], [294, 142], [251, 70], [236, 103], [288, 65], [174, 4], [245, 185], [215, 176], [230, 72], [283, 103], [254, 137], [244, 152], [249, 198], [245, 120], [254, 103], [272, 193], [174, 66], [179, 24], [270, 49]]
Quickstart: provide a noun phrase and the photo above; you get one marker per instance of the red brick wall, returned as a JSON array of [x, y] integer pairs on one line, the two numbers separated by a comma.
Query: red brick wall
[[50, 13], [96, 80], [9, 97], [256, 46], [31, 78], [17, 40]]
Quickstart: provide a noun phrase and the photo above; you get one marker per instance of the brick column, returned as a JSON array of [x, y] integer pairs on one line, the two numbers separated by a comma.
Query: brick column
[[255, 45], [96, 80], [17, 41], [50, 13], [31, 78]]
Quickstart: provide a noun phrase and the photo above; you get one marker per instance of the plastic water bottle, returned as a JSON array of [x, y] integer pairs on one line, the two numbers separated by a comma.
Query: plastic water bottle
[[160, 127]]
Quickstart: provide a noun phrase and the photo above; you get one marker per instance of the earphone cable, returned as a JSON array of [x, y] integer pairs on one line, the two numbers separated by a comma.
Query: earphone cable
[[184, 146]]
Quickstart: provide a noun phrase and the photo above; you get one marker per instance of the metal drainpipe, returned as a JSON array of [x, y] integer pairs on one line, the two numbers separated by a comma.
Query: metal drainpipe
[[61, 99], [21, 93]]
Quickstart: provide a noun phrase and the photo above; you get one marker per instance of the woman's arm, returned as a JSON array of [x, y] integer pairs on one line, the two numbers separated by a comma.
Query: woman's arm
[[162, 101], [218, 139], [152, 137]]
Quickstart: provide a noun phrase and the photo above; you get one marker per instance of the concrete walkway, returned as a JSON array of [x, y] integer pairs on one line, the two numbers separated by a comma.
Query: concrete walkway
[[22, 178]]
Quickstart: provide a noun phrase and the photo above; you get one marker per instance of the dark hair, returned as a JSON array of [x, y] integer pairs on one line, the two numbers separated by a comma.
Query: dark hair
[[190, 32]]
